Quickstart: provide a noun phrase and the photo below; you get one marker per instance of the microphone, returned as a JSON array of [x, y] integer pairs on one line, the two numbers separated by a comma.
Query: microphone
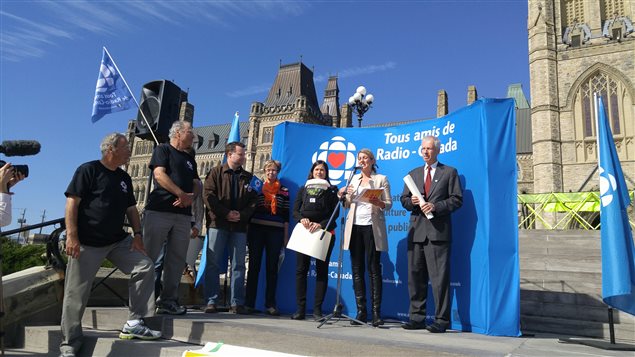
[[357, 168], [20, 147]]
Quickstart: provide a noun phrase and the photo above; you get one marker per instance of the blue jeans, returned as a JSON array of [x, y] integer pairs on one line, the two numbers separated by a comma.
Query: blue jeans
[[236, 242]]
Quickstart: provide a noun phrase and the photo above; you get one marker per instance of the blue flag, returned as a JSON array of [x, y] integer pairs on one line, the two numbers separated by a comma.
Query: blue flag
[[618, 262], [234, 132], [256, 184], [111, 92]]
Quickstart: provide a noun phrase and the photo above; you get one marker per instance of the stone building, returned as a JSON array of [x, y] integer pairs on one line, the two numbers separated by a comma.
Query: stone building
[[292, 97], [577, 48]]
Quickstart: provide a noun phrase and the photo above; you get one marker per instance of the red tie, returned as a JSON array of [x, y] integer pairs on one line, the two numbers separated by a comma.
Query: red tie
[[428, 182]]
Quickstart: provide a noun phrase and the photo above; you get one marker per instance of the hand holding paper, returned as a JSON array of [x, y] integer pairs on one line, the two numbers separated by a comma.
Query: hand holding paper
[[415, 192]]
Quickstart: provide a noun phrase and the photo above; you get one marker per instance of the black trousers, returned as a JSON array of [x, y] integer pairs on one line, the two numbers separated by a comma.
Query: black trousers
[[269, 240], [429, 260], [364, 254], [303, 263]]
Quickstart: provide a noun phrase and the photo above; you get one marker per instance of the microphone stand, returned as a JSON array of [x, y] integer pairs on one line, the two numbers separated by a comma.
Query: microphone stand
[[337, 309]]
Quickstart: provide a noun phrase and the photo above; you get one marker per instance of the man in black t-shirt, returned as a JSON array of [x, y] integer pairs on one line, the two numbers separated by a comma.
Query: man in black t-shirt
[[168, 213], [98, 199]]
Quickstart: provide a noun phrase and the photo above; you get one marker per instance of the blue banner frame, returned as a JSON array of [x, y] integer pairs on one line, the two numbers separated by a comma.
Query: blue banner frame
[[478, 140]]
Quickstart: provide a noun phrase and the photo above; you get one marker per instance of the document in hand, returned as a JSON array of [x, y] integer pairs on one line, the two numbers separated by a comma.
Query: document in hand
[[305, 242], [369, 193], [415, 192]]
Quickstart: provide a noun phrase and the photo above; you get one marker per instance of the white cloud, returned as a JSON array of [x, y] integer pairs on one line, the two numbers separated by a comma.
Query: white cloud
[[25, 36]]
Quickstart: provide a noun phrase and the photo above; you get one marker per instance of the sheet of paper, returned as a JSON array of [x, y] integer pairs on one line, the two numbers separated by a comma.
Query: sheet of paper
[[308, 243], [415, 192]]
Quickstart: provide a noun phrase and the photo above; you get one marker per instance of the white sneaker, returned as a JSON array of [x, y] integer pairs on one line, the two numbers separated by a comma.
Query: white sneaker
[[140, 331]]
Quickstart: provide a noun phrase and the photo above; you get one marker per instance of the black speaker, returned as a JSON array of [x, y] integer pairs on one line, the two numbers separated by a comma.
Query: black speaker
[[161, 104]]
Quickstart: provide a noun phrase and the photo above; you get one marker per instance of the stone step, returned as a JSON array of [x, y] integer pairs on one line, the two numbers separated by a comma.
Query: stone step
[[570, 277], [529, 324], [567, 263], [575, 312], [45, 340], [561, 250], [565, 286], [551, 297]]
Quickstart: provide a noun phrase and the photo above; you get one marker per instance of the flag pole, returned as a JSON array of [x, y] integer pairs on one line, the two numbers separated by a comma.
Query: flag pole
[[597, 141], [133, 97], [597, 125]]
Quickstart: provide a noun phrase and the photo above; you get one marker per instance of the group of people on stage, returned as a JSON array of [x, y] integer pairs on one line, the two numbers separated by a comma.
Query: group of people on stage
[[100, 196]]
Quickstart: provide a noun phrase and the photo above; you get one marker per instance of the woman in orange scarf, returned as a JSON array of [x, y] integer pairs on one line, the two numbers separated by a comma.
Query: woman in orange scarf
[[268, 232]]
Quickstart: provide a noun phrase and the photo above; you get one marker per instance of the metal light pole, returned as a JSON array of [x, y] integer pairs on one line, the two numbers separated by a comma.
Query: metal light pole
[[361, 102]]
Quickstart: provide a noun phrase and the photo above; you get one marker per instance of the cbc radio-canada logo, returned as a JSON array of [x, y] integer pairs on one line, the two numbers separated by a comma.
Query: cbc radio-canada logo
[[608, 184], [340, 155]]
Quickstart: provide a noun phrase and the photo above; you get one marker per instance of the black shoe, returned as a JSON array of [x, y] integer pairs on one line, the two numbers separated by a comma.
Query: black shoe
[[436, 328], [298, 315], [317, 315], [272, 311], [414, 325], [377, 321], [360, 317], [239, 309]]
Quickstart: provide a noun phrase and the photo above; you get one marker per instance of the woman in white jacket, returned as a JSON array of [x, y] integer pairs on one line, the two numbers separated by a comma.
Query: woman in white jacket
[[365, 233]]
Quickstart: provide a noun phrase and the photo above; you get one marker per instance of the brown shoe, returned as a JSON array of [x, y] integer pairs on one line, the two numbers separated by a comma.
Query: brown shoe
[[210, 309], [239, 309]]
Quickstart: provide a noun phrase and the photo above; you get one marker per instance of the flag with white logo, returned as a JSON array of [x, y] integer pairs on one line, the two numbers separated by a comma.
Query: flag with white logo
[[256, 184], [111, 92], [618, 262]]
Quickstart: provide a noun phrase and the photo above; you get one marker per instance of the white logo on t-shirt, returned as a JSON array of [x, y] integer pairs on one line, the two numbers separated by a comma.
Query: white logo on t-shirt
[[190, 166], [124, 187]]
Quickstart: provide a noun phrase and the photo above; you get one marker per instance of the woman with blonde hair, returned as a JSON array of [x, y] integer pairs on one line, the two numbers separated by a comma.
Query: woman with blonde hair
[[365, 233], [268, 232]]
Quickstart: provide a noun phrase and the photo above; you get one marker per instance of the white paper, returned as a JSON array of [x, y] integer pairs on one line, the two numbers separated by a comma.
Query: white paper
[[415, 192], [308, 243]]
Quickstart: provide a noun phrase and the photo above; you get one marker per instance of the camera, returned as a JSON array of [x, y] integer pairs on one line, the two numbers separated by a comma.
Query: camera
[[23, 169]]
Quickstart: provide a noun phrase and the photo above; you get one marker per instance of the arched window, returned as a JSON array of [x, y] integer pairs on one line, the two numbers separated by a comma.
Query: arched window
[[261, 162], [142, 194], [618, 106], [267, 135]]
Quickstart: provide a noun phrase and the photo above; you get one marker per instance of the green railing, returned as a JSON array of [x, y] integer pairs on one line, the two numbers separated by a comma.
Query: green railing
[[579, 210]]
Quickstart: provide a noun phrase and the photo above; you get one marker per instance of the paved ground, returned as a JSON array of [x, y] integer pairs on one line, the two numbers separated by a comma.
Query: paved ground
[[336, 338]]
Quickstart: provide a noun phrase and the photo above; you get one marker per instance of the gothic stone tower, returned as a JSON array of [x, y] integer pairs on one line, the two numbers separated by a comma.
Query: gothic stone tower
[[292, 97], [576, 48]]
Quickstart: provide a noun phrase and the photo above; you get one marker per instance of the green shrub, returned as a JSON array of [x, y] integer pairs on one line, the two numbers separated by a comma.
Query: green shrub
[[16, 257]]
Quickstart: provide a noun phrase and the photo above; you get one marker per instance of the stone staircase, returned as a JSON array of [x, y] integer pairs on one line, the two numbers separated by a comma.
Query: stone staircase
[[561, 286]]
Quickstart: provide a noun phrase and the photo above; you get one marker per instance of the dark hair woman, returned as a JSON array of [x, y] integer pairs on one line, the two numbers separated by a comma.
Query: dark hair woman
[[312, 208]]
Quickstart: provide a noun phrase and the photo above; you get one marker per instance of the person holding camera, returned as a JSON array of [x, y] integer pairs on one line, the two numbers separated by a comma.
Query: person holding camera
[[8, 178]]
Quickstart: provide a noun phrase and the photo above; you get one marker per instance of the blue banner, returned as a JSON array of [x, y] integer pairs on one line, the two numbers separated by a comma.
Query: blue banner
[[478, 140], [111, 92], [618, 262]]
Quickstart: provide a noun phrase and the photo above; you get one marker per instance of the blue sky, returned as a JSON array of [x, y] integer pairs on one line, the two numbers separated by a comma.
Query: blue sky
[[226, 54]]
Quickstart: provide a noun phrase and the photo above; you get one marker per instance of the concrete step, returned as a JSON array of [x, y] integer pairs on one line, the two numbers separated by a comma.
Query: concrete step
[[574, 312], [570, 277], [567, 263], [529, 324], [336, 338], [556, 297], [45, 341], [592, 287]]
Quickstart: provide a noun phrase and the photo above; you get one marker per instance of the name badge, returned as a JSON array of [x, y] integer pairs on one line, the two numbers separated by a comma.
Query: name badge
[[312, 200]]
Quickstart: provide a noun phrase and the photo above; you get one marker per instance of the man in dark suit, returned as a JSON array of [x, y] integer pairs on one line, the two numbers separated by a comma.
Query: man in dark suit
[[429, 239]]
